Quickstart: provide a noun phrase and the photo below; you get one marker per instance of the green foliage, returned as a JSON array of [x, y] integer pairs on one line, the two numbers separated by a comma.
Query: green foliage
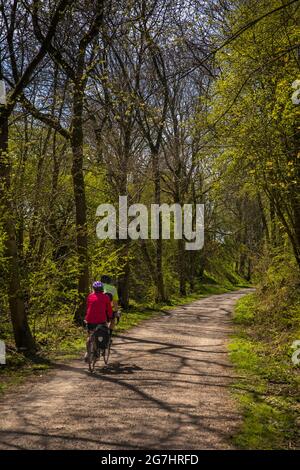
[[53, 298], [244, 310], [267, 324], [52, 289], [106, 259], [279, 294], [254, 140]]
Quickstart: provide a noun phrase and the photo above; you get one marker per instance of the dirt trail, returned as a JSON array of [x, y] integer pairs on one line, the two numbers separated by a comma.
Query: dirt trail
[[167, 387]]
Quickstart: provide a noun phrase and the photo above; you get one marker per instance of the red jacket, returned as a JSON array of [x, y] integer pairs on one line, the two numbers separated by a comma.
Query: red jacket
[[98, 308]]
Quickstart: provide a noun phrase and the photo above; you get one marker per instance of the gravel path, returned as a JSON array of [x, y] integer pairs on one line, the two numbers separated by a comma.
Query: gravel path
[[167, 387]]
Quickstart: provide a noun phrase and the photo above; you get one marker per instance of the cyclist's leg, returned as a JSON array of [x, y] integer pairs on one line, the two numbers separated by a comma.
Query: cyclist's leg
[[112, 325], [90, 330]]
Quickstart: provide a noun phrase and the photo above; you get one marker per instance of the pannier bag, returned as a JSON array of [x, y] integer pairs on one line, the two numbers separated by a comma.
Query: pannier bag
[[102, 337]]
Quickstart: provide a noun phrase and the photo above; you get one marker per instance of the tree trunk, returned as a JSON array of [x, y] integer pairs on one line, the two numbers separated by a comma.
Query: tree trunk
[[191, 270], [249, 270], [22, 334], [160, 286], [273, 234], [80, 200], [182, 267], [296, 214], [123, 282], [242, 264], [201, 269]]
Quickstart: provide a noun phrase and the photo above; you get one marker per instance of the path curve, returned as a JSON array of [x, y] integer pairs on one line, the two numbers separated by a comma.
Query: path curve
[[167, 387]]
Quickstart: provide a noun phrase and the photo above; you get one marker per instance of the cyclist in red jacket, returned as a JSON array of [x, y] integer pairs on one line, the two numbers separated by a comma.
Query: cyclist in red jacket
[[99, 310]]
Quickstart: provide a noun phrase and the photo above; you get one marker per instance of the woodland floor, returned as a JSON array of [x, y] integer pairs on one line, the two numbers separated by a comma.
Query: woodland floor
[[167, 386]]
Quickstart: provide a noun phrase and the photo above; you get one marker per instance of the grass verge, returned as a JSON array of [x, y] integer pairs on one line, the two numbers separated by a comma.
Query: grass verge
[[268, 387]]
